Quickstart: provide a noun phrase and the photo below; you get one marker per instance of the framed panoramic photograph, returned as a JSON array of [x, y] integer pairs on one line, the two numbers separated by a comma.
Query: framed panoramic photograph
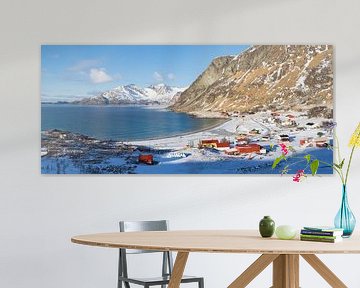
[[185, 109]]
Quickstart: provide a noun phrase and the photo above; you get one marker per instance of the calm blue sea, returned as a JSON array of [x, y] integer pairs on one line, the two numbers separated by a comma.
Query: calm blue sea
[[124, 123]]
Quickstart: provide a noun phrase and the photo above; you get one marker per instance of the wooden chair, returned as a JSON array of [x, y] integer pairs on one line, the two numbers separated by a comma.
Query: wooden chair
[[167, 262]]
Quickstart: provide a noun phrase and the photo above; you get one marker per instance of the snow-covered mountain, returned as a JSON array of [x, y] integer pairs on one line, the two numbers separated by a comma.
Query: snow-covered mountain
[[132, 94]]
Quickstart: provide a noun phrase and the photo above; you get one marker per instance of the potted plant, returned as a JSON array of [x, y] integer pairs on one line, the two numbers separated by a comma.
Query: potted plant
[[344, 219]]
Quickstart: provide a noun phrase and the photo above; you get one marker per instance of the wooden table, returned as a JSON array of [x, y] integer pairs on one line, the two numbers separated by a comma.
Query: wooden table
[[284, 254]]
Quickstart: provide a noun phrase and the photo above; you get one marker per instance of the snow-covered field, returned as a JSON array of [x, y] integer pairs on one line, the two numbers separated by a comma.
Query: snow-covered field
[[212, 161], [183, 155]]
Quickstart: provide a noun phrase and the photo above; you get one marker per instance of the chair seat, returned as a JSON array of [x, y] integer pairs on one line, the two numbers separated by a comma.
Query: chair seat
[[158, 280]]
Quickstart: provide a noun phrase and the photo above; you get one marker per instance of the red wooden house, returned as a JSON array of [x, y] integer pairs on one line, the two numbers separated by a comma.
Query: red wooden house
[[248, 148], [210, 143], [146, 159], [223, 145]]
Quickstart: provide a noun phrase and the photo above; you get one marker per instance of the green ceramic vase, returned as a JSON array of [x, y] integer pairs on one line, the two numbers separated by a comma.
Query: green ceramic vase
[[266, 227]]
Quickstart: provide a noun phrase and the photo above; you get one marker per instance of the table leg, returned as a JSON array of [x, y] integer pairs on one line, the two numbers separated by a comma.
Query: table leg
[[178, 269], [286, 271], [254, 270], [324, 271]]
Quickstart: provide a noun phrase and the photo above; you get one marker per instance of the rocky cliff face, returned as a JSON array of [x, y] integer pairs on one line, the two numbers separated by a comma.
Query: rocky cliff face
[[261, 78]]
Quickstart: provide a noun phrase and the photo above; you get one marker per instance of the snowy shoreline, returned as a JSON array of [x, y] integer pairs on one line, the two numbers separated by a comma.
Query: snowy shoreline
[[65, 152], [228, 128], [187, 135]]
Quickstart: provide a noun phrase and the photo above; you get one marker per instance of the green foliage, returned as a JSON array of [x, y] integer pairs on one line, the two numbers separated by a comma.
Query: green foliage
[[313, 163], [340, 166], [314, 167], [277, 161]]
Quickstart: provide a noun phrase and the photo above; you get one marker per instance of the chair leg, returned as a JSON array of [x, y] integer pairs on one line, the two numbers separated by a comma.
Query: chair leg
[[164, 266], [201, 283]]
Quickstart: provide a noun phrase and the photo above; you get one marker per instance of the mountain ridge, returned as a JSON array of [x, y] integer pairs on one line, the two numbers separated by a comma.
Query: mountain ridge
[[132, 94], [263, 77]]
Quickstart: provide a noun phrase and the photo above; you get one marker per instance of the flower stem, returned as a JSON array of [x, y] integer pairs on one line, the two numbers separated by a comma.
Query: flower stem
[[348, 166], [341, 174], [338, 149], [350, 159], [339, 171]]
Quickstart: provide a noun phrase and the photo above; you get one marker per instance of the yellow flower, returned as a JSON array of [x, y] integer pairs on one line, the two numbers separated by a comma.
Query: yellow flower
[[355, 138]]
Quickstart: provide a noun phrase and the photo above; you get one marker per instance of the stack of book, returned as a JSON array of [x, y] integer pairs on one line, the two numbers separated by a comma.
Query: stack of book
[[321, 234]]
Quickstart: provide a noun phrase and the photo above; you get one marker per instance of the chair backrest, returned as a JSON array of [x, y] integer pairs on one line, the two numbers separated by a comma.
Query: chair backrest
[[138, 226], [133, 226]]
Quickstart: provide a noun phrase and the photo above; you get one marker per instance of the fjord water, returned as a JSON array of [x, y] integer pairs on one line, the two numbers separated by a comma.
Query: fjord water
[[122, 123]]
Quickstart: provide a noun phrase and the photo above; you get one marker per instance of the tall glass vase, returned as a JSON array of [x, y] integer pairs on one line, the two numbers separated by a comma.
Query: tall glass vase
[[345, 219]]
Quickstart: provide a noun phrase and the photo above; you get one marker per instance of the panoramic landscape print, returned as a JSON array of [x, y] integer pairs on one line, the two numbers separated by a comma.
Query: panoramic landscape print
[[185, 109]]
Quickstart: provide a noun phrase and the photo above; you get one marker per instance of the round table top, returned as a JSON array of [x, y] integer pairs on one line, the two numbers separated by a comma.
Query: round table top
[[217, 241]]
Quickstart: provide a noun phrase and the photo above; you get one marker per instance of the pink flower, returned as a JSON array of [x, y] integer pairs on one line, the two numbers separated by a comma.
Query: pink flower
[[284, 149], [299, 174]]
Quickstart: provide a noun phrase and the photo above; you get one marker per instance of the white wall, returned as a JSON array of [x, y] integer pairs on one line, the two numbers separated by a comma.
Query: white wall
[[39, 214]]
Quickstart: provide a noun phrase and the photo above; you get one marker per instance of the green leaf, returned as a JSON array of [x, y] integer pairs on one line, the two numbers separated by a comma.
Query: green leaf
[[342, 163], [277, 161], [314, 167], [339, 166], [308, 158]]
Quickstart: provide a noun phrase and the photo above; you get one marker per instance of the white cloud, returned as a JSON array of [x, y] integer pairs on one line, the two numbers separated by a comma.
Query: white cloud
[[86, 69], [158, 77], [84, 65], [99, 75], [171, 76]]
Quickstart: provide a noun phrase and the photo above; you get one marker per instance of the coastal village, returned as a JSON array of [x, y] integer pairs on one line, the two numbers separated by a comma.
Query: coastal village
[[242, 142], [253, 136]]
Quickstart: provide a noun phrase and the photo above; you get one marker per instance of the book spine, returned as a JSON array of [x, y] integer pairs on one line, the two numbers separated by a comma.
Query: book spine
[[319, 236], [319, 233], [317, 239]]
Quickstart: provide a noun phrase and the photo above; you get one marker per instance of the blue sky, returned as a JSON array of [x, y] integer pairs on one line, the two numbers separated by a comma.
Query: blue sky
[[70, 72]]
